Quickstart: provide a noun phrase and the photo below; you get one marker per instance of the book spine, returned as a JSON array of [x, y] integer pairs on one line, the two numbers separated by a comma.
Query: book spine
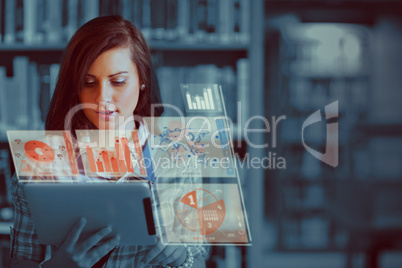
[[201, 20], [245, 21], [158, 19], [12, 101], [225, 20], [193, 22], [72, 18], [146, 19], [3, 100], [183, 19], [19, 21], [44, 90], [9, 25], [64, 18], [90, 10], [212, 21], [34, 88], [137, 13], [1, 20], [20, 68], [103, 7], [41, 22], [126, 7], [29, 21], [171, 19], [114, 7], [236, 19], [54, 34]]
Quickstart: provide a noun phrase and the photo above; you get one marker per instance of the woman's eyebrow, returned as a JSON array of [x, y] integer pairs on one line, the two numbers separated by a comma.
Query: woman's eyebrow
[[123, 72]]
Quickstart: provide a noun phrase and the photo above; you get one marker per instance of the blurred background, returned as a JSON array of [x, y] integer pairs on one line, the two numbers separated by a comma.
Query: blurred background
[[277, 58]]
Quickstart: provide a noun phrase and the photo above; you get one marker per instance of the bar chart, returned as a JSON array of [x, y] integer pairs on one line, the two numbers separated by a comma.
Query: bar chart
[[202, 97], [115, 160]]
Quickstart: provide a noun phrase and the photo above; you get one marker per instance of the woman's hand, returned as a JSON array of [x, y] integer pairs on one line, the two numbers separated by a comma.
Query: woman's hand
[[162, 254], [84, 254]]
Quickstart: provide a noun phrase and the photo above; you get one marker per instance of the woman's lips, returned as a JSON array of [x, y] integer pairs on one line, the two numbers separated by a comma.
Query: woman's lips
[[106, 115]]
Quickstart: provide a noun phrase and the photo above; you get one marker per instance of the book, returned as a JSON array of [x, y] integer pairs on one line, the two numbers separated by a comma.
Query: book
[[90, 10], [9, 23], [146, 19], [226, 21], [53, 9], [126, 9], [44, 99], [41, 22], [137, 13], [212, 21], [244, 21], [19, 20], [171, 20], [34, 108], [29, 21], [72, 18], [12, 99], [1, 20], [3, 101], [158, 19], [200, 16], [183, 19], [236, 19], [20, 69], [103, 7]]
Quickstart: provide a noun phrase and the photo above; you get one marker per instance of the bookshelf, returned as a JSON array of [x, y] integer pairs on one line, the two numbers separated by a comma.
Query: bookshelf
[[198, 36], [309, 81], [314, 203]]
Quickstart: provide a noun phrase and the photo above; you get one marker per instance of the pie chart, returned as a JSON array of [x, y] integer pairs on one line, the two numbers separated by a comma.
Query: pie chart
[[39, 152], [200, 211]]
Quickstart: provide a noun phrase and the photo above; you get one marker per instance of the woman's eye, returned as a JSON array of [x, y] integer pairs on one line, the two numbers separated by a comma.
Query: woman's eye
[[89, 83], [118, 82]]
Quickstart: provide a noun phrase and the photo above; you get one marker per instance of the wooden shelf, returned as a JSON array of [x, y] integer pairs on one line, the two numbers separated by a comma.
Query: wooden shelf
[[154, 45]]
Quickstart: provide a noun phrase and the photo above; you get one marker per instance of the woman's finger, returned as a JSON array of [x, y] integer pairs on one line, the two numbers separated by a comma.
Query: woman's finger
[[75, 232], [178, 256], [96, 253], [94, 239], [154, 252]]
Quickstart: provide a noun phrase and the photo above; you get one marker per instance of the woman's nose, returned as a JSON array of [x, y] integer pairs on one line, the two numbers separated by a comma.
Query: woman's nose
[[105, 92]]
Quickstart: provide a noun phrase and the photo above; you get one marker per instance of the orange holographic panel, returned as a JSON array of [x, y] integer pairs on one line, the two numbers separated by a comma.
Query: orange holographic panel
[[91, 159], [127, 155], [100, 166], [69, 147], [115, 166], [105, 157], [120, 157]]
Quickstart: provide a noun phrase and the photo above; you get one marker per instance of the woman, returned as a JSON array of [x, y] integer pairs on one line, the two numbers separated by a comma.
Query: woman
[[106, 69]]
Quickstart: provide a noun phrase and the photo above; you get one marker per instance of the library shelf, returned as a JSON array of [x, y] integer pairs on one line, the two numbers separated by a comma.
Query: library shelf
[[154, 46]]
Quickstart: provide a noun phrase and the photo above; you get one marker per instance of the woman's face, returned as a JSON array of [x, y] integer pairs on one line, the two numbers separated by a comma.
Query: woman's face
[[113, 85]]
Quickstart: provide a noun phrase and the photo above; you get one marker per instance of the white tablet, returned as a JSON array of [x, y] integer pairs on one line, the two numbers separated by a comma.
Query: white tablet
[[126, 207]]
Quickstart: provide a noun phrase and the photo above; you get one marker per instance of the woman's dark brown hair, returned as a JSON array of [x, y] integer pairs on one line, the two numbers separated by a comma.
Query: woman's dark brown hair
[[87, 44]]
